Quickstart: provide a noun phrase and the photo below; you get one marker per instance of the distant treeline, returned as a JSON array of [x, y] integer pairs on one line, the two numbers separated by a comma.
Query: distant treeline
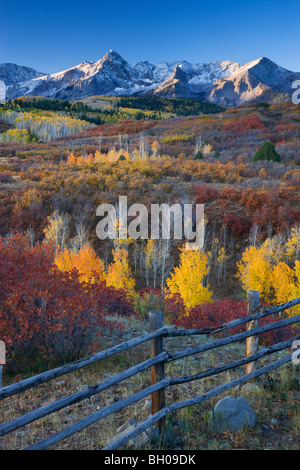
[[49, 105], [75, 109], [178, 106], [155, 105]]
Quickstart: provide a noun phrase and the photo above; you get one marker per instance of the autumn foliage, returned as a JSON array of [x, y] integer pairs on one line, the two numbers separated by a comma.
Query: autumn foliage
[[119, 273], [244, 125], [187, 279], [57, 292], [238, 209], [48, 316], [89, 266], [263, 269], [214, 314]]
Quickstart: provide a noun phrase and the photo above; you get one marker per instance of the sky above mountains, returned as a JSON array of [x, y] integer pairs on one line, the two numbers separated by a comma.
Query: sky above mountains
[[56, 35]]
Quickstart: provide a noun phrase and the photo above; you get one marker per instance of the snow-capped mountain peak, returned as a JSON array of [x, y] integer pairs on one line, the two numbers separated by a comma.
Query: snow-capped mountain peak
[[224, 82]]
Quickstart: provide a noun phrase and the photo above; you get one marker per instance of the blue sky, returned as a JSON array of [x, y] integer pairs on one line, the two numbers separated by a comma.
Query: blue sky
[[54, 35]]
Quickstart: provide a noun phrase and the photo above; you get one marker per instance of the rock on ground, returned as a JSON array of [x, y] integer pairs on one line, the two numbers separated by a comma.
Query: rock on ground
[[232, 414]]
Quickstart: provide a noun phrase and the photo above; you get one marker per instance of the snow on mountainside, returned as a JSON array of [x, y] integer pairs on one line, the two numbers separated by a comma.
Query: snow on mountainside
[[226, 82], [260, 80], [12, 75]]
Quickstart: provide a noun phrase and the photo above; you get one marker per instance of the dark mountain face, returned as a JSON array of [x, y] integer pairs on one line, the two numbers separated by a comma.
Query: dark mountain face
[[226, 83]]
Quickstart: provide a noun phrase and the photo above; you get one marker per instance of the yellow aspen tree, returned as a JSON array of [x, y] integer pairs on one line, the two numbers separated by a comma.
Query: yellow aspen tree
[[148, 256], [155, 147], [254, 270], [152, 261], [207, 149], [81, 160], [221, 264], [112, 155], [119, 273], [57, 229], [122, 231], [89, 266], [71, 159], [64, 260], [187, 278], [275, 247], [283, 283], [296, 290], [135, 156], [99, 157], [297, 273], [293, 244]]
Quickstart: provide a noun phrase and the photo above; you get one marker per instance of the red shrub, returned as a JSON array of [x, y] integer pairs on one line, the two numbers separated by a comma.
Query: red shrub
[[205, 193], [47, 316], [223, 311], [31, 217], [275, 336], [213, 314], [111, 301], [237, 224], [253, 199], [174, 307], [243, 125], [229, 193]]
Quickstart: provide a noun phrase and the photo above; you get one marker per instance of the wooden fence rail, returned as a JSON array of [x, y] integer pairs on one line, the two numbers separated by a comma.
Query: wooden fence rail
[[156, 363], [66, 369]]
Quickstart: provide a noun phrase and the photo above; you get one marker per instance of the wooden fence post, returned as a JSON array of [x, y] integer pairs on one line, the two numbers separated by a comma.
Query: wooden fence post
[[252, 341], [157, 371]]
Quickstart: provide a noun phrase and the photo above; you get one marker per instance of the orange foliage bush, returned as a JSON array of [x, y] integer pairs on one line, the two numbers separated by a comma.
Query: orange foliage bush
[[48, 316]]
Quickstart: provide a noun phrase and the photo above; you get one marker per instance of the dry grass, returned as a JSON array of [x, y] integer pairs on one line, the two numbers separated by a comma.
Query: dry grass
[[275, 401]]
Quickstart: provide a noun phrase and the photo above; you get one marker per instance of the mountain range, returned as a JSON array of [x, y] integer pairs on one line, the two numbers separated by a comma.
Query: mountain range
[[225, 83]]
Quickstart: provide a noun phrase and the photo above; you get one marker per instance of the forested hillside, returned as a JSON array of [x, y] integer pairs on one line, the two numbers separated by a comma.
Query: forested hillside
[[242, 164]]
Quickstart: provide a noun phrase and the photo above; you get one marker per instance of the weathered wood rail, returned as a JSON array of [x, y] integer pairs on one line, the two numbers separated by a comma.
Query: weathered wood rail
[[159, 357]]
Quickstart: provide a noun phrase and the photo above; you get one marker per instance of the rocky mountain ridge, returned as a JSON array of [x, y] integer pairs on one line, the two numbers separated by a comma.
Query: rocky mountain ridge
[[226, 83]]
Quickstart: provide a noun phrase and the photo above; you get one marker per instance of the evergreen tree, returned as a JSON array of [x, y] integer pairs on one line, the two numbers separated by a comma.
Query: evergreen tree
[[198, 156], [267, 152]]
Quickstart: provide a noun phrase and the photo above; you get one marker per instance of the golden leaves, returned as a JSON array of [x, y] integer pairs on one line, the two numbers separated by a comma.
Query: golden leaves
[[187, 278]]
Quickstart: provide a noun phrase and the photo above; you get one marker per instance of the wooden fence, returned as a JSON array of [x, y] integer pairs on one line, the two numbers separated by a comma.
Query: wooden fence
[[159, 357]]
